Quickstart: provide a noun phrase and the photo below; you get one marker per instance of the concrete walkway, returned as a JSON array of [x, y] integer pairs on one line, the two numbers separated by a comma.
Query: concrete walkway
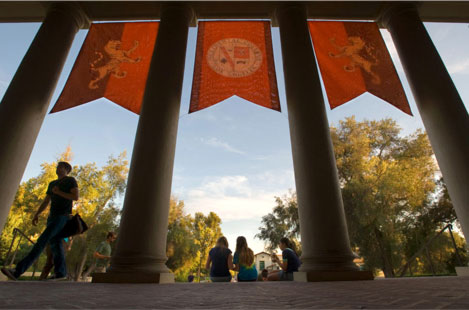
[[415, 293]]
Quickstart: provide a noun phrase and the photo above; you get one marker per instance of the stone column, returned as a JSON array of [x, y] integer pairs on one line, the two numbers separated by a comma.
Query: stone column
[[141, 245], [324, 236], [27, 98], [441, 108]]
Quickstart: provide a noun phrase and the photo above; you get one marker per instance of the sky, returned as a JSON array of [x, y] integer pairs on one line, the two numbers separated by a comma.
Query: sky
[[233, 158]]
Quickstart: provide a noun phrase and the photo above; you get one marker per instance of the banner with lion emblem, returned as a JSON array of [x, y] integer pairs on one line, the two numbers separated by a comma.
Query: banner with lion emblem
[[234, 58], [353, 59], [113, 63]]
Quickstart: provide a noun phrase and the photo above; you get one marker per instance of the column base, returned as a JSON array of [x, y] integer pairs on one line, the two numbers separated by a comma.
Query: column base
[[462, 271], [133, 277], [322, 276]]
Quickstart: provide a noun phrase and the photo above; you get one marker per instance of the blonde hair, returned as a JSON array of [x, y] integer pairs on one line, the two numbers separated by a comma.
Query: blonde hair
[[246, 255]]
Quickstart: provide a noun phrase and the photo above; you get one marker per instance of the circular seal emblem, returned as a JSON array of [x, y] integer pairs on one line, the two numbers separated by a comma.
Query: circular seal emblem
[[234, 57]]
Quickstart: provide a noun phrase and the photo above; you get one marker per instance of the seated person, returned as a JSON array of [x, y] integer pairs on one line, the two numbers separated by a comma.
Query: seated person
[[243, 261], [289, 265], [263, 275], [190, 278], [220, 261]]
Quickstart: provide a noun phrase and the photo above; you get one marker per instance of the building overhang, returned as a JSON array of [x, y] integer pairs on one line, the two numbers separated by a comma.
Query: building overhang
[[430, 11]]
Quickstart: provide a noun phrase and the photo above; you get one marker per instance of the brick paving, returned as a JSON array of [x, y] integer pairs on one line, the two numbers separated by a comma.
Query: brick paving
[[410, 293]]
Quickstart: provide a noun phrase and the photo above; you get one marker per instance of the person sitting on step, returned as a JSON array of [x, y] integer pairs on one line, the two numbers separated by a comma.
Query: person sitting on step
[[220, 261], [243, 261], [290, 262]]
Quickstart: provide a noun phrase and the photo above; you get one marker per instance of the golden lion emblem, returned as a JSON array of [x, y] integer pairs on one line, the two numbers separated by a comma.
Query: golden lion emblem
[[352, 51], [117, 56]]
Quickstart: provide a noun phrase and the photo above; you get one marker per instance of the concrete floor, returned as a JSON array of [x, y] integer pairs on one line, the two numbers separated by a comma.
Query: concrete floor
[[409, 293]]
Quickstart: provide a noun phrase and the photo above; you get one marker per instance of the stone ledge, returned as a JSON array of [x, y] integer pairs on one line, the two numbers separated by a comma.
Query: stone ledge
[[320, 276], [133, 277], [462, 271]]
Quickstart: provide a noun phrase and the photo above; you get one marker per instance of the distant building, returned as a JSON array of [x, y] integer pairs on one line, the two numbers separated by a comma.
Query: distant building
[[264, 261]]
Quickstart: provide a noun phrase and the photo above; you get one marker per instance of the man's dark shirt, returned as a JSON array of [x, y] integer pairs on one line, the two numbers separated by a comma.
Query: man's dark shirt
[[60, 205]]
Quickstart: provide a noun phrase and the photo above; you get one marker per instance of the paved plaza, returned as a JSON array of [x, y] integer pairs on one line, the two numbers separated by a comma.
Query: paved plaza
[[415, 293]]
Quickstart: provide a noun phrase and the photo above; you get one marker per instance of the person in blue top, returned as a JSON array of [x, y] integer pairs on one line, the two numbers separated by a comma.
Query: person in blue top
[[220, 261], [290, 262], [243, 261]]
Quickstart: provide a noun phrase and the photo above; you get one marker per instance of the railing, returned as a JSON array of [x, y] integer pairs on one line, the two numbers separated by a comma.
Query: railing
[[16, 233], [427, 253]]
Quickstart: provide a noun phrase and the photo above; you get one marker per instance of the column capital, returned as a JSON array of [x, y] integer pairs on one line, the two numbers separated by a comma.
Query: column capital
[[186, 10], [72, 10], [285, 8], [391, 11]]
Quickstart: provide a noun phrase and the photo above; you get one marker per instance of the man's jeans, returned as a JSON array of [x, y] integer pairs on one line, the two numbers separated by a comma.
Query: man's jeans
[[54, 227]]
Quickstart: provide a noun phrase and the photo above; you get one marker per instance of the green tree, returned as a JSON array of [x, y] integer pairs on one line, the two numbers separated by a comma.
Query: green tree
[[28, 197], [424, 225], [392, 201], [99, 190], [206, 231], [180, 245], [189, 239], [282, 222], [386, 179]]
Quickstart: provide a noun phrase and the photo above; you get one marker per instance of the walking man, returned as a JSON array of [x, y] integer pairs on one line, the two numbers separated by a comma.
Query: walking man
[[102, 255], [60, 194]]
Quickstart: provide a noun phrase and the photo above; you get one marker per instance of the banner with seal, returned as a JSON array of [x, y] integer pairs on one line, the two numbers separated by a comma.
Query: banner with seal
[[353, 59], [113, 63], [234, 58]]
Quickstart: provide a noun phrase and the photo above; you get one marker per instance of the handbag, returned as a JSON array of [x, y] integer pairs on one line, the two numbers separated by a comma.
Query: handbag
[[75, 226]]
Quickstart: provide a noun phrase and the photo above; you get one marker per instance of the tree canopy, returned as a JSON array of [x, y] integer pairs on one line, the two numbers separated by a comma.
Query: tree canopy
[[393, 198], [101, 189], [189, 240], [282, 222]]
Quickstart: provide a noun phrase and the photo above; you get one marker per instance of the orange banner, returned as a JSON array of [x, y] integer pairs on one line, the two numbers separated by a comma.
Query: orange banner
[[234, 58], [113, 63], [353, 59]]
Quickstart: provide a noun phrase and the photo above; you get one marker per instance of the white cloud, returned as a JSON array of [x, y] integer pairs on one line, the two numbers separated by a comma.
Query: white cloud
[[263, 157], [277, 179], [439, 32], [205, 114], [459, 67], [223, 145], [232, 198]]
